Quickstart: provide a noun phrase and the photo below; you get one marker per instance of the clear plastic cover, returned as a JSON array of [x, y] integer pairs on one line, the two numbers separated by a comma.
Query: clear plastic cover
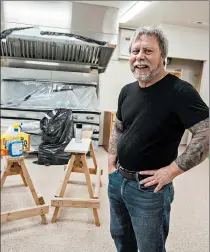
[[48, 95], [40, 33]]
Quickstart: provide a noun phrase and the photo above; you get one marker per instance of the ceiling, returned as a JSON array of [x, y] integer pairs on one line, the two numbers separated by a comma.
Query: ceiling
[[121, 5], [182, 13]]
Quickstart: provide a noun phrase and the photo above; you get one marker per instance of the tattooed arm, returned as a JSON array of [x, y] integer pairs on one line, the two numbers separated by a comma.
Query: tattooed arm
[[116, 133], [195, 153], [198, 148]]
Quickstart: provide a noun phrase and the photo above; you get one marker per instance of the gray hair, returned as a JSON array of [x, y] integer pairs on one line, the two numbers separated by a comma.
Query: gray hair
[[152, 31]]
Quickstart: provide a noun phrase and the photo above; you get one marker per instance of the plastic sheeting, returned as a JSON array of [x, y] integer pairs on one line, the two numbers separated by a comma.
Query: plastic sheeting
[[48, 95], [40, 34], [35, 31]]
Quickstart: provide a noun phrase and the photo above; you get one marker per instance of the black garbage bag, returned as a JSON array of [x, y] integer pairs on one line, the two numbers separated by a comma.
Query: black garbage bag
[[57, 131]]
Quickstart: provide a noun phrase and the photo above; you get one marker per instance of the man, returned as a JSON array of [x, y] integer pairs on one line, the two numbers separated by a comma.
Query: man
[[152, 115]]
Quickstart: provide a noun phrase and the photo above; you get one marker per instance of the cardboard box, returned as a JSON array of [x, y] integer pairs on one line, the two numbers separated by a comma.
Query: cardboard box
[[6, 139], [25, 139]]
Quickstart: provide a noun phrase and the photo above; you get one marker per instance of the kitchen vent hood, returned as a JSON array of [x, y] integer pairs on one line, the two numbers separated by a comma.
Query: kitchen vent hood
[[87, 46]]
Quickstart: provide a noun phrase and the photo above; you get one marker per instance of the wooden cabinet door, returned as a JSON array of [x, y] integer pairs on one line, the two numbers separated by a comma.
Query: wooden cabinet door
[[177, 74], [109, 119]]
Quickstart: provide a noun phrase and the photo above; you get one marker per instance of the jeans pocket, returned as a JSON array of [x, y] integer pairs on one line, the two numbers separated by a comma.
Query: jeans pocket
[[150, 189], [113, 182]]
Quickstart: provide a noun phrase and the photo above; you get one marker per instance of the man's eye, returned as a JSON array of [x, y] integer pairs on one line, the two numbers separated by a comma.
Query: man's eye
[[148, 51], [135, 52]]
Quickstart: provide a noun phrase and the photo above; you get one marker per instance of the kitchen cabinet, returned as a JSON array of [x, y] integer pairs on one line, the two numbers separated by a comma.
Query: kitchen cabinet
[[176, 73]]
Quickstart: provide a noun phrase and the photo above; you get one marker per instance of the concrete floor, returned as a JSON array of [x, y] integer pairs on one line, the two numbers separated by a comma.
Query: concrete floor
[[75, 230]]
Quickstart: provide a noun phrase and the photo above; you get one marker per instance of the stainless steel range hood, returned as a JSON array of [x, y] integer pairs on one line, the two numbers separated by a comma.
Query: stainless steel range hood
[[29, 48]]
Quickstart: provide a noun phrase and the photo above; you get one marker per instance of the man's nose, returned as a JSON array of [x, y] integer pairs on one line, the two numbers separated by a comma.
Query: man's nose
[[140, 56]]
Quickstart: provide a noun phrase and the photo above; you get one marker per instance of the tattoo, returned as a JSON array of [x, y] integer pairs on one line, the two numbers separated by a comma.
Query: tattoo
[[200, 127], [116, 133], [198, 148]]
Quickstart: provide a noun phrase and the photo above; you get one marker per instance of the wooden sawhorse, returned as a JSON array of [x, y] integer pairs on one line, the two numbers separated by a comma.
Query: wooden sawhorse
[[78, 163], [16, 166]]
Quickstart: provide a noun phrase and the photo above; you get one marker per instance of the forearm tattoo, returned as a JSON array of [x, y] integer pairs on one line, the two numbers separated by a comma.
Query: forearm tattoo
[[116, 133], [198, 148]]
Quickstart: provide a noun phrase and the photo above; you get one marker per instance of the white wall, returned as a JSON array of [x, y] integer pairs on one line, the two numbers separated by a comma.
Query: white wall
[[116, 76], [205, 82], [187, 43], [37, 13], [63, 16]]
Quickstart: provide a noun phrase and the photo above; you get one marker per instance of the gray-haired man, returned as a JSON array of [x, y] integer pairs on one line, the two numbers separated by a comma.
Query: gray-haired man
[[152, 115]]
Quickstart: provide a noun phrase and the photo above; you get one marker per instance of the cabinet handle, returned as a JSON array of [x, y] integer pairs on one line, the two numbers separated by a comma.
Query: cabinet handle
[[75, 117], [90, 117]]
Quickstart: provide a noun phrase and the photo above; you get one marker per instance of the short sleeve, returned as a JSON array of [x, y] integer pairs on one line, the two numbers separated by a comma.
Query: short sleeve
[[120, 101], [189, 106]]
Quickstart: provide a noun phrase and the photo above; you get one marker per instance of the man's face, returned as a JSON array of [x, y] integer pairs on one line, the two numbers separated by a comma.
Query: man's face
[[145, 59]]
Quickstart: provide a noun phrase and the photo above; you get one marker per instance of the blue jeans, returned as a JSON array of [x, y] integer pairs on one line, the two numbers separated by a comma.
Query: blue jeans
[[139, 217]]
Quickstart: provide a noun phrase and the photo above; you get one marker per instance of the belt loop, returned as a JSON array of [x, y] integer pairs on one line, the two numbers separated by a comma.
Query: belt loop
[[137, 177], [118, 165], [137, 180]]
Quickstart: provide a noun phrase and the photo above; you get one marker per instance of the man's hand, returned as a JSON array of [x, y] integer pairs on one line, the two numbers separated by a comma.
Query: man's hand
[[111, 164], [161, 177], [112, 169]]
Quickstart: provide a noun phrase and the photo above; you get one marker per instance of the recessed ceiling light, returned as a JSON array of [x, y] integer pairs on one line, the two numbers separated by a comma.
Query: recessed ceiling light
[[134, 10]]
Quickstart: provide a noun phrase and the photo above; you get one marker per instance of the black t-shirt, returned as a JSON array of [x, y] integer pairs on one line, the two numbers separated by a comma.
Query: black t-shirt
[[154, 120]]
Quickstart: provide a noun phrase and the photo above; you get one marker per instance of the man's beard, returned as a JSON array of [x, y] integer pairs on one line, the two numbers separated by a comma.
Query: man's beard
[[145, 77]]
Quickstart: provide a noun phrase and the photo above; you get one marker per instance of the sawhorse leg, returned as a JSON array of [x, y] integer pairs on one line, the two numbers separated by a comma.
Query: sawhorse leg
[[64, 185], [78, 164], [74, 202], [94, 160], [38, 200], [90, 189], [24, 180], [5, 173], [16, 166]]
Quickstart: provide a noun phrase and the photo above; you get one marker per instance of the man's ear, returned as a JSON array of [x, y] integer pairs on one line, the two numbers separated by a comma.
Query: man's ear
[[164, 61]]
